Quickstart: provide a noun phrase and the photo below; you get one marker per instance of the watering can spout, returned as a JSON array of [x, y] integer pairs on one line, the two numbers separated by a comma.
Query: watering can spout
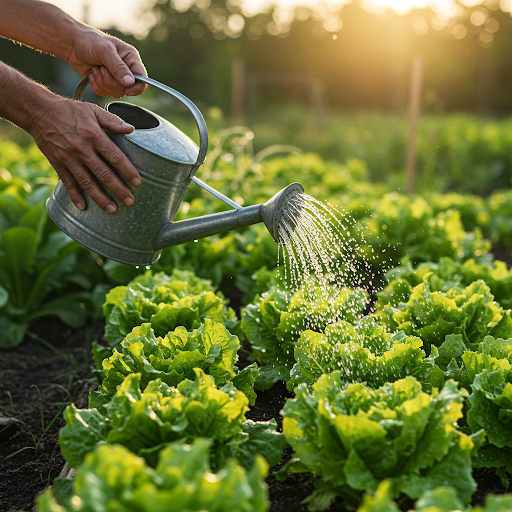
[[271, 213]]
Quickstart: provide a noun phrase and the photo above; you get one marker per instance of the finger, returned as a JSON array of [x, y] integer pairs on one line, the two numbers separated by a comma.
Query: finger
[[109, 178], [117, 67], [105, 85], [71, 186], [89, 185], [108, 84], [110, 151], [112, 122], [136, 90], [133, 61]]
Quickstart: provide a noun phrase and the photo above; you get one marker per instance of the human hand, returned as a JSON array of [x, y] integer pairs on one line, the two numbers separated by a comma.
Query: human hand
[[109, 62], [71, 136]]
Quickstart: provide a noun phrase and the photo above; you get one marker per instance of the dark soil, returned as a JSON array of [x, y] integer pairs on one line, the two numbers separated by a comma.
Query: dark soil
[[62, 375]]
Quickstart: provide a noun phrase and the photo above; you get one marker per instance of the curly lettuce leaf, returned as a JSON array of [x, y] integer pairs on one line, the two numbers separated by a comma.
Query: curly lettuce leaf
[[173, 357], [354, 437], [363, 352], [164, 301], [145, 420], [113, 478], [275, 323], [441, 499], [471, 312]]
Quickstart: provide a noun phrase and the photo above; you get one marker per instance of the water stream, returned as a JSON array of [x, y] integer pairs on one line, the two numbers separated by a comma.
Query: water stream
[[321, 251]]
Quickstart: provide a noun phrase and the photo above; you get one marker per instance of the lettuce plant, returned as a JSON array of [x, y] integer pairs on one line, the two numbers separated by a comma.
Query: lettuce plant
[[440, 499], [276, 321], [448, 274], [401, 226], [144, 420], [455, 361], [490, 408], [364, 352], [471, 312], [353, 437], [113, 478], [181, 299], [173, 357]]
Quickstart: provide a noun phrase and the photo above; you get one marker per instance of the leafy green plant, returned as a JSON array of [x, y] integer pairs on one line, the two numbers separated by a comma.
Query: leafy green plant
[[364, 351], [431, 316], [473, 209], [490, 408], [37, 261], [441, 499], [275, 322], [353, 437], [400, 226], [180, 299], [144, 421], [500, 211], [448, 274], [113, 478], [172, 359]]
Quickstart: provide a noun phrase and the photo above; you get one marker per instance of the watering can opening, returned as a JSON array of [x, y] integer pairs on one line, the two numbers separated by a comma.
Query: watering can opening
[[138, 117]]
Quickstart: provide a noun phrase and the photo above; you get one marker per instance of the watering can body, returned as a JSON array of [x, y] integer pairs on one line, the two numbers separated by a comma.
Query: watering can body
[[167, 161]]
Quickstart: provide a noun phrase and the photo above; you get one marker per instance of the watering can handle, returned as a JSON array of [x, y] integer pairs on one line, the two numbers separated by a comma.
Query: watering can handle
[[198, 117]]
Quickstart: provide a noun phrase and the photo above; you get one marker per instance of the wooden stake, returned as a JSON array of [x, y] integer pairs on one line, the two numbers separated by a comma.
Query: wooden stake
[[237, 90], [414, 112]]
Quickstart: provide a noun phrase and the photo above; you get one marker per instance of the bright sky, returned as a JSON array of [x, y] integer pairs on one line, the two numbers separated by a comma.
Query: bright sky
[[126, 14]]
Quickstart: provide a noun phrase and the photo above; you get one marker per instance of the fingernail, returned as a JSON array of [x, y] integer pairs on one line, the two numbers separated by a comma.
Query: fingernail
[[80, 206], [128, 201], [111, 208], [128, 80], [127, 126], [136, 182], [91, 78]]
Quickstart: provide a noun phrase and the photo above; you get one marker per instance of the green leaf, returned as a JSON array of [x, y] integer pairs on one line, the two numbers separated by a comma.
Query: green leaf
[[353, 437], [12, 332], [69, 308], [84, 430]]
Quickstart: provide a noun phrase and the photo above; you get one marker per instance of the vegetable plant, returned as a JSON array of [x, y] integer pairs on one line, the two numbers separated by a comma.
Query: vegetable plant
[[275, 322], [38, 267], [471, 312], [181, 299], [113, 478], [440, 499], [145, 420], [173, 357], [353, 437], [363, 352]]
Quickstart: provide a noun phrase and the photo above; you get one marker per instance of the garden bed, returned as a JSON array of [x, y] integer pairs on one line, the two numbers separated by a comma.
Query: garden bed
[[62, 375]]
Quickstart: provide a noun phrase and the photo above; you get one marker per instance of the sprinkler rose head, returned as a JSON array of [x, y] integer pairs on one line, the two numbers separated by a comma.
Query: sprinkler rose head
[[277, 209]]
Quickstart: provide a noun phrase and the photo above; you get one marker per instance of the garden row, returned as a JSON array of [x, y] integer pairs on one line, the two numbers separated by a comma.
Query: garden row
[[43, 272], [399, 404]]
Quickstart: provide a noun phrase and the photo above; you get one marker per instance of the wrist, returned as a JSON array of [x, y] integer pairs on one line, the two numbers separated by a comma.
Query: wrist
[[40, 109]]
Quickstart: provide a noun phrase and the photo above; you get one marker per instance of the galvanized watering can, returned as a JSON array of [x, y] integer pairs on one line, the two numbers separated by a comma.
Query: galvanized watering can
[[167, 161]]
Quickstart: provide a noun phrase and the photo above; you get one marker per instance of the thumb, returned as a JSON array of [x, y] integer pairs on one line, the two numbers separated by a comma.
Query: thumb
[[112, 122], [119, 70]]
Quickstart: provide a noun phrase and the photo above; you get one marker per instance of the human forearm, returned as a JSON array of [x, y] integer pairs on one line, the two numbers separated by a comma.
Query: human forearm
[[40, 25], [22, 101], [71, 135], [108, 61]]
